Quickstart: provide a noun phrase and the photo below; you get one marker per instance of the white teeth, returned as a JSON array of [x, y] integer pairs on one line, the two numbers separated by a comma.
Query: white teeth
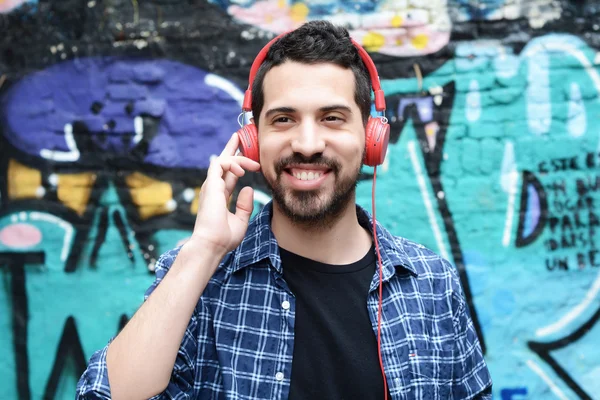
[[303, 176]]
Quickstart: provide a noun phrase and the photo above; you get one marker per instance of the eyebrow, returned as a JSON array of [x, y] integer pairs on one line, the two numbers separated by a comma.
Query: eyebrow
[[334, 107], [272, 111]]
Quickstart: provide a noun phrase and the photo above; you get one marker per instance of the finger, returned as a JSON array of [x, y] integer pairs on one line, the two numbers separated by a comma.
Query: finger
[[232, 145], [245, 204], [247, 163], [230, 182], [233, 168], [235, 164]]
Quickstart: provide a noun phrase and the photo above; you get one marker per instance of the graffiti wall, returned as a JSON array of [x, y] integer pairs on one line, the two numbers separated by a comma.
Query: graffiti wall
[[110, 112]]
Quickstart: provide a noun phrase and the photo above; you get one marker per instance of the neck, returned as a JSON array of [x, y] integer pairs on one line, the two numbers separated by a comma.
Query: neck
[[342, 241]]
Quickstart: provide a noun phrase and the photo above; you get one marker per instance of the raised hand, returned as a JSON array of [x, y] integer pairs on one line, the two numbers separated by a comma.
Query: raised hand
[[215, 225]]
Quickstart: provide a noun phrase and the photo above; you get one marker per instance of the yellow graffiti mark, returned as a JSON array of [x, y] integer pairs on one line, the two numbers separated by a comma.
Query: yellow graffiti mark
[[195, 202], [74, 190], [151, 196], [194, 205], [397, 21], [373, 41], [23, 182], [299, 12], [420, 41]]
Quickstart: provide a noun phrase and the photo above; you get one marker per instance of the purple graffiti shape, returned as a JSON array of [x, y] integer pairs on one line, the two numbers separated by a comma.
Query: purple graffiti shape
[[95, 110], [533, 210]]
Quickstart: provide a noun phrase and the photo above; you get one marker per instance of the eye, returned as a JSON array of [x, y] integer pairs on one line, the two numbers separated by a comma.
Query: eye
[[333, 118], [282, 120]]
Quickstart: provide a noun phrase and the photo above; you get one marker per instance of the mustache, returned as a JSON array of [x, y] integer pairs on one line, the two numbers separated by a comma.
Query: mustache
[[315, 159]]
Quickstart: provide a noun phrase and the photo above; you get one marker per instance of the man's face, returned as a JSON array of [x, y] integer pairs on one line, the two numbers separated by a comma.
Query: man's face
[[311, 140]]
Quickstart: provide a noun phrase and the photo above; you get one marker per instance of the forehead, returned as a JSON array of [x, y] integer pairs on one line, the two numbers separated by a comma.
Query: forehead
[[293, 82]]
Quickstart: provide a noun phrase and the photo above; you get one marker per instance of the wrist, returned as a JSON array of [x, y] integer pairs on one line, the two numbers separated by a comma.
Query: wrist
[[200, 255], [198, 243]]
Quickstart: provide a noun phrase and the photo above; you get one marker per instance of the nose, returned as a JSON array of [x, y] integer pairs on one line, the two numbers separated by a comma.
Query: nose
[[308, 140]]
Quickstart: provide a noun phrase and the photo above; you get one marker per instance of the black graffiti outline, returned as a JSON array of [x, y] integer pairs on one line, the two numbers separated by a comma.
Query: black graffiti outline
[[15, 262], [69, 343], [101, 235], [543, 350], [433, 159], [530, 179]]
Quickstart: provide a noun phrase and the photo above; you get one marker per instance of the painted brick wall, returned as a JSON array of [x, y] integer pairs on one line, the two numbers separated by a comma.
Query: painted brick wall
[[111, 110]]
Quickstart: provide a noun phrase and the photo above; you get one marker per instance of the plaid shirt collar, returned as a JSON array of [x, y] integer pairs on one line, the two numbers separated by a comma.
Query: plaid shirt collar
[[260, 236]]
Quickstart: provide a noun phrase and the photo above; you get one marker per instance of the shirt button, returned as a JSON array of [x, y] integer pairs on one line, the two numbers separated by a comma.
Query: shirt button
[[285, 305], [279, 376]]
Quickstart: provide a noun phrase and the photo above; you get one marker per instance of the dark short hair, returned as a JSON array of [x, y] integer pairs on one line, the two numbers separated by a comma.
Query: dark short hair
[[312, 43]]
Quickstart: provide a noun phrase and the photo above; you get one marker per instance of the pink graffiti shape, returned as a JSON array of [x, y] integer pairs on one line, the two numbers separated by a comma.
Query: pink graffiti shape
[[269, 15], [20, 236], [7, 5], [383, 31]]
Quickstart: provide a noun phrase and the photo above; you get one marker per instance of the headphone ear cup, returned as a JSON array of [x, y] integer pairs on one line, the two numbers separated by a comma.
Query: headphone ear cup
[[248, 136], [376, 141]]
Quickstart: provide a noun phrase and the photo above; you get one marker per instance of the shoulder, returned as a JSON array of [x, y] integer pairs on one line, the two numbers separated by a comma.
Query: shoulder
[[434, 276], [415, 257], [431, 271], [423, 260]]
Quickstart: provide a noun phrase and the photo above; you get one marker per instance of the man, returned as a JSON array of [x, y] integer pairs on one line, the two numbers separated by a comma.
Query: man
[[287, 307]]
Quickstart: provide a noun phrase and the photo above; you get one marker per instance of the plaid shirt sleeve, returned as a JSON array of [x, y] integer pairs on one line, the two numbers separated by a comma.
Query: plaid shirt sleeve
[[181, 384], [94, 384], [473, 378]]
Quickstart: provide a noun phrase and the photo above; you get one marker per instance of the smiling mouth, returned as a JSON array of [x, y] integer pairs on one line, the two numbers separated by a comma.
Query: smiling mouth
[[306, 174]]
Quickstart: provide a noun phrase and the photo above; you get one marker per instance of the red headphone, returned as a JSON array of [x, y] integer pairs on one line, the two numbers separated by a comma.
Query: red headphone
[[377, 131]]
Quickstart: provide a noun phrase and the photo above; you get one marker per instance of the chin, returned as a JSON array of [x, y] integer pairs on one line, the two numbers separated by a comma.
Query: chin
[[306, 204], [313, 209]]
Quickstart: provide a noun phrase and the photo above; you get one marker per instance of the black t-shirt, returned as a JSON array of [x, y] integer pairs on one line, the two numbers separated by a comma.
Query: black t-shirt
[[335, 347]]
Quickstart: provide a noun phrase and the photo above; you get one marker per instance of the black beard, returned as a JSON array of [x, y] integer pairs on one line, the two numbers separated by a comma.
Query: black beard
[[322, 213]]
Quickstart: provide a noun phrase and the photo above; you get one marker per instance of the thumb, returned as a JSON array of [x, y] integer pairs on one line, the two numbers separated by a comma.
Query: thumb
[[245, 204]]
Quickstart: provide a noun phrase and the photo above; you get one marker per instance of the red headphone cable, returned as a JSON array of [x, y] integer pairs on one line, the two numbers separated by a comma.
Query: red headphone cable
[[379, 310]]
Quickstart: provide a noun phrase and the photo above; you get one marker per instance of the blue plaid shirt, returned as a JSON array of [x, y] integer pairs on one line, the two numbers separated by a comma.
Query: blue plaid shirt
[[240, 339]]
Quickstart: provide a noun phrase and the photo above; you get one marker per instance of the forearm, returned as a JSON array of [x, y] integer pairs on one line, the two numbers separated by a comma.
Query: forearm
[[141, 358]]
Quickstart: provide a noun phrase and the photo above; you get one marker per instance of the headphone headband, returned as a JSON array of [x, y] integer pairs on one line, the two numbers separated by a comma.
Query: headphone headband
[[260, 58]]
